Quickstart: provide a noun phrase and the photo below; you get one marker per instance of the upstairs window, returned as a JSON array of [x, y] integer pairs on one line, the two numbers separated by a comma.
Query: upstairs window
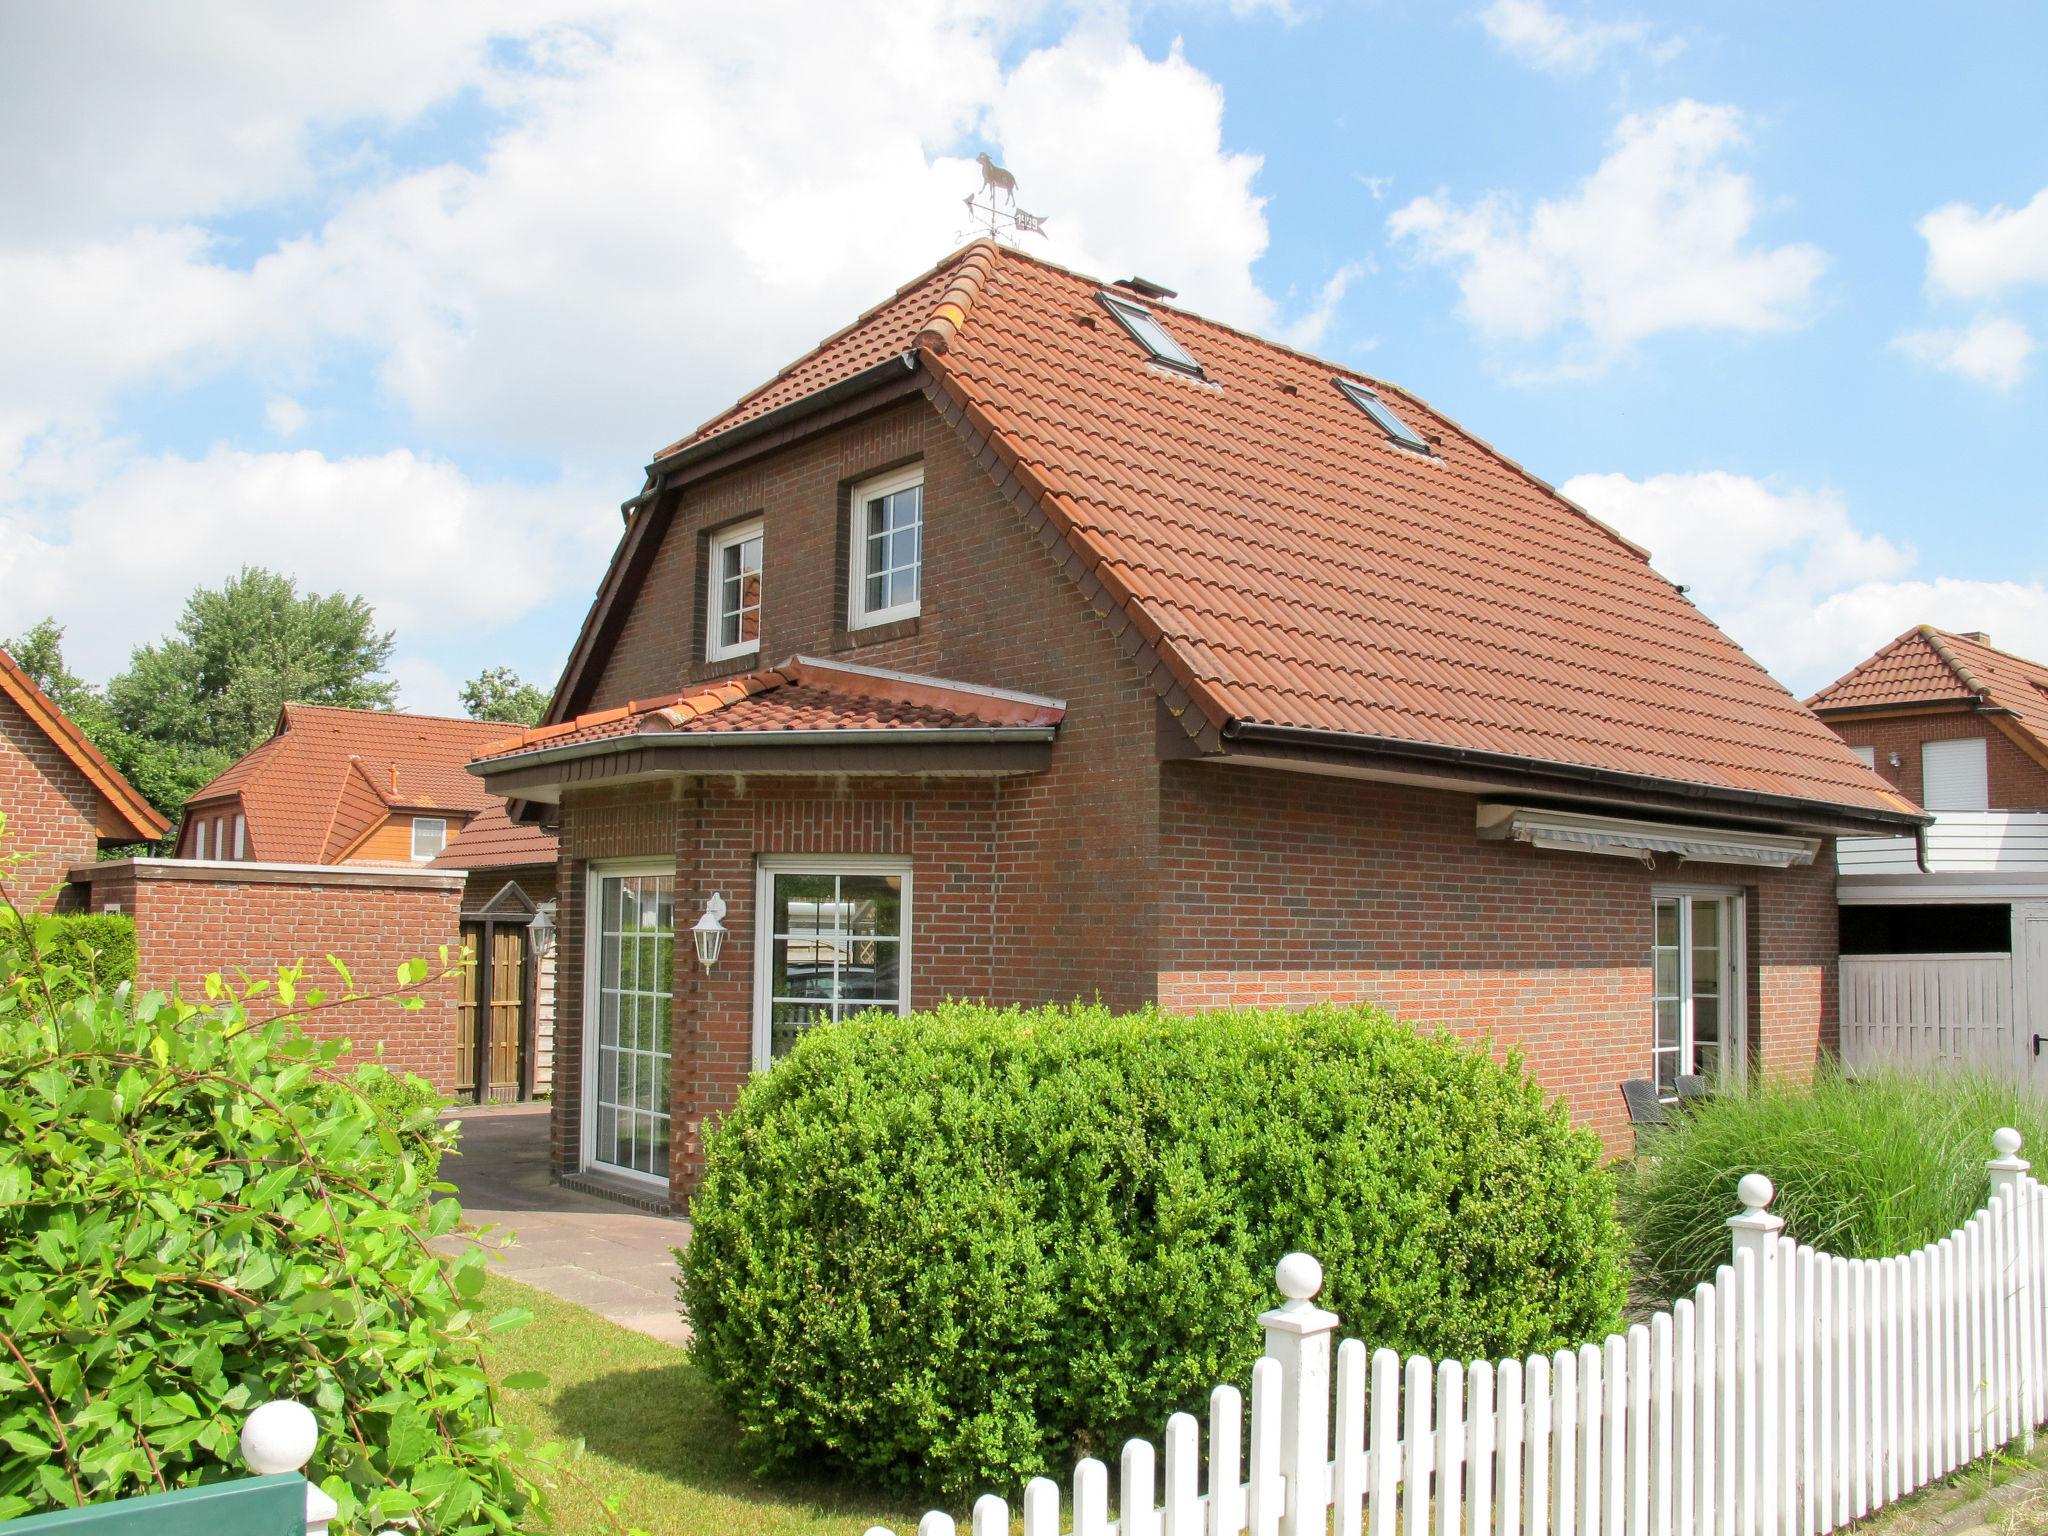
[[1382, 414], [429, 836], [199, 840], [1150, 334], [241, 835], [1954, 775], [735, 605], [887, 544]]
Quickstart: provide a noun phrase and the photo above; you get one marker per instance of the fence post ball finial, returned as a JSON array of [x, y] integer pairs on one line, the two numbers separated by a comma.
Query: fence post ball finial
[[2006, 1142], [279, 1437], [1298, 1277], [1755, 1191]]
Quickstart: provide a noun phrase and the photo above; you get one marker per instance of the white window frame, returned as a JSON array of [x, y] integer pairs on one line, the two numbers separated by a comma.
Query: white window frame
[[199, 838], [714, 591], [1734, 983], [241, 835], [428, 821], [1868, 754], [1950, 746], [858, 614], [765, 871], [594, 874]]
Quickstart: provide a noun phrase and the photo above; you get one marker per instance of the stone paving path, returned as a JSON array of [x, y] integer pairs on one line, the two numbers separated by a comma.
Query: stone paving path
[[614, 1260]]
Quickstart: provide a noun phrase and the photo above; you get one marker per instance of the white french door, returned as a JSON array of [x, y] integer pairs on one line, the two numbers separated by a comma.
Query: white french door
[[1696, 987], [629, 963]]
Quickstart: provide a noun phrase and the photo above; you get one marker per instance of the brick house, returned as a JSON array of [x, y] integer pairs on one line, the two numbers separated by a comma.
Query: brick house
[[386, 794], [64, 801], [1945, 934], [1033, 638]]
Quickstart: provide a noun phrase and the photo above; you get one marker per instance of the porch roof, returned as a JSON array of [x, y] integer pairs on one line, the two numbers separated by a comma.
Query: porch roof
[[803, 716]]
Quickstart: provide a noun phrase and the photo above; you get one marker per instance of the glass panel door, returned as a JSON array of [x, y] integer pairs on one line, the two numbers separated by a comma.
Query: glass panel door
[[1692, 985], [835, 947], [628, 1050]]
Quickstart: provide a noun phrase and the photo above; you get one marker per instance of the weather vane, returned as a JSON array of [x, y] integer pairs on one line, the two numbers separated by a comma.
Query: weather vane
[[1001, 219]]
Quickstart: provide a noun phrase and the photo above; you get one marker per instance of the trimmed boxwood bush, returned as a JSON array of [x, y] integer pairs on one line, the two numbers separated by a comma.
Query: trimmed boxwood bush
[[956, 1249], [82, 948], [1866, 1167]]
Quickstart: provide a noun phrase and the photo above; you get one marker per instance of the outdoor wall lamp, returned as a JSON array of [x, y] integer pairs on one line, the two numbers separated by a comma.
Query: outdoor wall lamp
[[542, 929], [709, 931]]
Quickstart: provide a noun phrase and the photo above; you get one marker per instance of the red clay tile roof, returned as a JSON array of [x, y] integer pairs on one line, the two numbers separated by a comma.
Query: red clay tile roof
[[493, 840], [328, 775], [141, 818], [800, 695], [1288, 564], [1926, 665]]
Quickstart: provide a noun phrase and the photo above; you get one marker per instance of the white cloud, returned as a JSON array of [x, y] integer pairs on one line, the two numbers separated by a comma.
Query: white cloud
[[1308, 328], [434, 551], [1535, 35], [1790, 577], [1658, 238], [1992, 349], [425, 687], [1974, 255], [284, 416]]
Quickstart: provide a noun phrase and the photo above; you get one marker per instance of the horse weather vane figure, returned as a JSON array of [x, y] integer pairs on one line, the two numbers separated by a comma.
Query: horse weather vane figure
[[993, 206]]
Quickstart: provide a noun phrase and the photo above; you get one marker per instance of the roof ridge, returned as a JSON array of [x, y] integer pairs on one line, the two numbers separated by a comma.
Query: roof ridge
[[390, 714], [1937, 642], [957, 302], [1813, 700]]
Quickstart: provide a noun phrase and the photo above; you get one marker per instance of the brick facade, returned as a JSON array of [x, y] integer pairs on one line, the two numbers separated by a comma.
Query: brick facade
[[1113, 872], [51, 808], [192, 919], [2016, 781]]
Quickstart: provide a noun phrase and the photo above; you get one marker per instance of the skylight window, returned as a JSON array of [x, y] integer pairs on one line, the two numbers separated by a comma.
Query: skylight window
[[1382, 414], [1150, 334]]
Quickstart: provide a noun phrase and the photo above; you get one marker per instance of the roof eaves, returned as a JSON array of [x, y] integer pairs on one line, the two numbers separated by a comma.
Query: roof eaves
[[145, 819]]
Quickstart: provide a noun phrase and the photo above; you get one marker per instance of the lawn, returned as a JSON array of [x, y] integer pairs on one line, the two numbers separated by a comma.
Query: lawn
[[653, 1439]]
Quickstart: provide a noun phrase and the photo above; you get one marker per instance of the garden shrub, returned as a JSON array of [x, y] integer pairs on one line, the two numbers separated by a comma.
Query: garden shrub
[[84, 948], [193, 1220], [956, 1249], [1866, 1167], [412, 1107]]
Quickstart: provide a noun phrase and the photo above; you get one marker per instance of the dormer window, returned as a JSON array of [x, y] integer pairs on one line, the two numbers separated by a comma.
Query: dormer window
[[1382, 414], [1144, 326], [886, 542], [429, 836], [734, 609]]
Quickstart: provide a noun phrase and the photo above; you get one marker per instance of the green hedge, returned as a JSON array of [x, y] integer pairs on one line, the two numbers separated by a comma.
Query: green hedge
[[1866, 1167], [99, 945], [953, 1250]]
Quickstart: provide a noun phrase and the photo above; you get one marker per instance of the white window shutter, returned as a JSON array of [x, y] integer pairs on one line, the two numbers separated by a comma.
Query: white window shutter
[[1954, 776], [1868, 754]]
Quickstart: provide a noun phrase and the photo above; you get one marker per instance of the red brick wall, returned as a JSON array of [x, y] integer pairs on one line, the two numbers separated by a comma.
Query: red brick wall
[[1282, 890], [189, 922], [2016, 781], [51, 811]]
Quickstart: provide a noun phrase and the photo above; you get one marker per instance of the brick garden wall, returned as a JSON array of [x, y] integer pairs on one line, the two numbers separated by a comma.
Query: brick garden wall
[[194, 918], [2016, 781], [1283, 889], [51, 809]]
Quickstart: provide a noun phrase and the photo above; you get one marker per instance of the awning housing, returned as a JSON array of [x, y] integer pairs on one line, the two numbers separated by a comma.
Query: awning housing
[[1617, 837]]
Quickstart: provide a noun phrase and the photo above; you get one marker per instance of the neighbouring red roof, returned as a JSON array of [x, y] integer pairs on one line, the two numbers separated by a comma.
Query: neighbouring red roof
[[1926, 665], [800, 695], [493, 840], [1290, 565], [329, 775], [141, 818]]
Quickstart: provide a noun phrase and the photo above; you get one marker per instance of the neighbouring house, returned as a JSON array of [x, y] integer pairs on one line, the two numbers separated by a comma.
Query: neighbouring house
[[335, 805], [1034, 638], [1945, 936], [64, 801]]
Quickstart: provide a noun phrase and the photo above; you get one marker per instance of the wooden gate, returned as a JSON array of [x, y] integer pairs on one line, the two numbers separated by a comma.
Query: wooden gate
[[495, 1008], [1923, 1010]]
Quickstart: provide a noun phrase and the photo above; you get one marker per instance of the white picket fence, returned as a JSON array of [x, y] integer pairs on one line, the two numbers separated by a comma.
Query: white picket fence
[[1794, 1393]]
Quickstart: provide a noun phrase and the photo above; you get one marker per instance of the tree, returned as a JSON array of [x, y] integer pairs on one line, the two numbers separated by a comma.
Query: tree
[[496, 693], [39, 652], [240, 653]]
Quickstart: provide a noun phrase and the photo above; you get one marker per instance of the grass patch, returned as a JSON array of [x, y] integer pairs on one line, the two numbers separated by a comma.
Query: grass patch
[[655, 1443]]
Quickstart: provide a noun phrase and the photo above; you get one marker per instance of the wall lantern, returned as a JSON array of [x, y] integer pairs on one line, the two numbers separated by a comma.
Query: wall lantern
[[709, 931], [542, 929]]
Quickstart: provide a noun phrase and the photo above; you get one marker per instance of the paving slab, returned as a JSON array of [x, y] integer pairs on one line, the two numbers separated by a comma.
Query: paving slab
[[617, 1261]]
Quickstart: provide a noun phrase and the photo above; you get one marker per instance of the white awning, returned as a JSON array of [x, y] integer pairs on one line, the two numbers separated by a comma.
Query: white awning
[[1618, 837]]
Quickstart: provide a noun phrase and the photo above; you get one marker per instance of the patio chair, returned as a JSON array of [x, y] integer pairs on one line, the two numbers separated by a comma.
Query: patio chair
[[1644, 1107], [1692, 1087]]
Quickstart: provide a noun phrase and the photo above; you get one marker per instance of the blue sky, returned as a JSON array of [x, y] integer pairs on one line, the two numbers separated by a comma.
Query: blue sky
[[401, 298]]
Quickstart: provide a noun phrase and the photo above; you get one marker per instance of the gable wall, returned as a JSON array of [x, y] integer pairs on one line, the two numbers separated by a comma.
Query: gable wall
[[2017, 782], [1288, 889], [51, 809]]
